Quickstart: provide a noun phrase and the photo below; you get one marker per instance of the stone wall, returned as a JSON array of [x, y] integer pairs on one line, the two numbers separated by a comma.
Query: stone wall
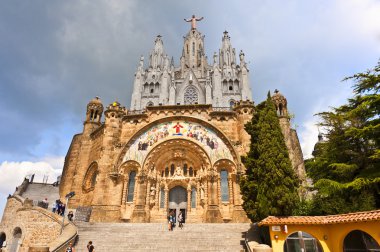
[[38, 226]]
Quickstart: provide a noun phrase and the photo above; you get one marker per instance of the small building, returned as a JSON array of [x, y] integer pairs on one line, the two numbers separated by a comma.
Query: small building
[[343, 232]]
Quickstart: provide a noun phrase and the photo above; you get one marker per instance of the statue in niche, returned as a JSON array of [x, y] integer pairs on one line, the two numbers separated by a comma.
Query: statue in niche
[[215, 58], [202, 189], [178, 172]]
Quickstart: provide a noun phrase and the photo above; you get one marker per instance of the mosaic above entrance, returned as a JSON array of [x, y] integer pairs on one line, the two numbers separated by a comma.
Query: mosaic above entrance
[[206, 137]]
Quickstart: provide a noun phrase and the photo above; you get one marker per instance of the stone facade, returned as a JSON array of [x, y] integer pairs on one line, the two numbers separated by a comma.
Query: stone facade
[[174, 149], [25, 226]]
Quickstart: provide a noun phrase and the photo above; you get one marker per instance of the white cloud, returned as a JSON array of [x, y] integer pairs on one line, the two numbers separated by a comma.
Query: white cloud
[[13, 173]]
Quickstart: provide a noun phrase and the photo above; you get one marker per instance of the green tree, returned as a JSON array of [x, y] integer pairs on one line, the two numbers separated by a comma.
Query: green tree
[[346, 167], [270, 185]]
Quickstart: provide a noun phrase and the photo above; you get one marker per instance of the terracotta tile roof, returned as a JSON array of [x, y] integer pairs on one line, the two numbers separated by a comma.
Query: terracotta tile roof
[[322, 220]]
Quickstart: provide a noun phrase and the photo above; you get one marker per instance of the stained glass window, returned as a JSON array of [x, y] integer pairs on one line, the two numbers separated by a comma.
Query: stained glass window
[[224, 185], [193, 197], [162, 198], [131, 186]]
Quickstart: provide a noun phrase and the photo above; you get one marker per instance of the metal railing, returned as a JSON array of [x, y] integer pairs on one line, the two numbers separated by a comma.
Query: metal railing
[[135, 112], [248, 248], [222, 109]]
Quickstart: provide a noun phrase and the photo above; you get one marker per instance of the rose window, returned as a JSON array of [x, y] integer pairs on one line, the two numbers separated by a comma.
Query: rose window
[[191, 96]]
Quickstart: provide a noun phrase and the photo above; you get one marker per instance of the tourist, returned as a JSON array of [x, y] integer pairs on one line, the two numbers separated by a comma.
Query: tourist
[[180, 219], [90, 247], [70, 248], [62, 209], [59, 207], [171, 220], [54, 206], [45, 203], [70, 216]]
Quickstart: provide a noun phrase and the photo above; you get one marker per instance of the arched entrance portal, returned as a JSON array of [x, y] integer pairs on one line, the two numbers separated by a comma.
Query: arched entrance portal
[[178, 201]]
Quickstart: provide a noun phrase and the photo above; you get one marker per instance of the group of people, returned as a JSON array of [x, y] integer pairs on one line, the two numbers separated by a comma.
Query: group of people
[[90, 247], [172, 220], [58, 207]]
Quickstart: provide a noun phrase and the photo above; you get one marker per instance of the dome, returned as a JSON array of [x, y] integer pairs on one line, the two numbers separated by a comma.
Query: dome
[[277, 97], [96, 100]]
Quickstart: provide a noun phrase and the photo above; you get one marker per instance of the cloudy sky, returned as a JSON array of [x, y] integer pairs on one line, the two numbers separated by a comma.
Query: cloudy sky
[[57, 55]]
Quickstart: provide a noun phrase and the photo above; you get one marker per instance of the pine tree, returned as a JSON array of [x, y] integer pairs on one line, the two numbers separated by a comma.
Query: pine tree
[[345, 170], [270, 185]]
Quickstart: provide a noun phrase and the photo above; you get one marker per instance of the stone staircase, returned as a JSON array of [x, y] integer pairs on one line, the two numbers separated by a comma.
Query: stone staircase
[[136, 237]]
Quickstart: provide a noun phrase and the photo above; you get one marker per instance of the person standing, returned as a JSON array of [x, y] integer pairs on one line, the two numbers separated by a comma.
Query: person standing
[[54, 207], [180, 220], [70, 216], [90, 247], [70, 248]]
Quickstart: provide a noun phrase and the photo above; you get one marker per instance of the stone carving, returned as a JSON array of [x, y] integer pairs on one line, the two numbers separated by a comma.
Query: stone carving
[[178, 171]]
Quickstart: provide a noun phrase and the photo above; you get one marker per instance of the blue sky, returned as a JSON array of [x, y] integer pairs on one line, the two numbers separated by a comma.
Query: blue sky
[[57, 55]]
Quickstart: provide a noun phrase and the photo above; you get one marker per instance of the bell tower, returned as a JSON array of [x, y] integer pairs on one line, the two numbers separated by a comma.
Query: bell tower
[[93, 115]]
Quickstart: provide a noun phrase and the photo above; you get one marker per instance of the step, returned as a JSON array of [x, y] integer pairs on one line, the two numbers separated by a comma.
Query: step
[[117, 237]]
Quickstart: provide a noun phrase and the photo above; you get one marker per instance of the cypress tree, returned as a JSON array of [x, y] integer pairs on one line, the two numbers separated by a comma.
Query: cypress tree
[[270, 185]]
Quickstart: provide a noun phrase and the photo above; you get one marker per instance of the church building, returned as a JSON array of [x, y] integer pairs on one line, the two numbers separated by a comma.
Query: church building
[[178, 146]]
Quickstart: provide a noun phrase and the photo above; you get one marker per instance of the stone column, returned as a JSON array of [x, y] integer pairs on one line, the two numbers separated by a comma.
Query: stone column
[[157, 196], [218, 193], [139, 213], [189, 199], [147, 198], [230, 189], [213, 214], [125, 188], [166, 199]]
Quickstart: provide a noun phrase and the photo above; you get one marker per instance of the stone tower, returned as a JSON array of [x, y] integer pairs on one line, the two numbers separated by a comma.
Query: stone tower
[[194, 81], [290, 135]]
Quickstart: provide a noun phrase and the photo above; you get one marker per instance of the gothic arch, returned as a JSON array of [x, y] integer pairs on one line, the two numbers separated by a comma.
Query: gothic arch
[[89, 180], [217, 131], [194, 82], [190, 144], [128, 166], [225, 164]]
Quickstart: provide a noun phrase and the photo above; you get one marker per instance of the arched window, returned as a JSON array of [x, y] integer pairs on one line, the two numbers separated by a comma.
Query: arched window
[[149, 104], [185, 170], [17, 234], [191, 171], [360, 241], [93, 179], [193, 197], [224, 186], [3, 238], [166, 172], [131, 186], [191, 95], [193, 48], [172, 170], [232, 103], [162, 198], [302, 241], [89, 181], [280, 109]]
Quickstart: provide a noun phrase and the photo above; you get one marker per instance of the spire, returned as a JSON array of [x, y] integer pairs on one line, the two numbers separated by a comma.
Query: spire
[[156, 59], [227, 53]]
